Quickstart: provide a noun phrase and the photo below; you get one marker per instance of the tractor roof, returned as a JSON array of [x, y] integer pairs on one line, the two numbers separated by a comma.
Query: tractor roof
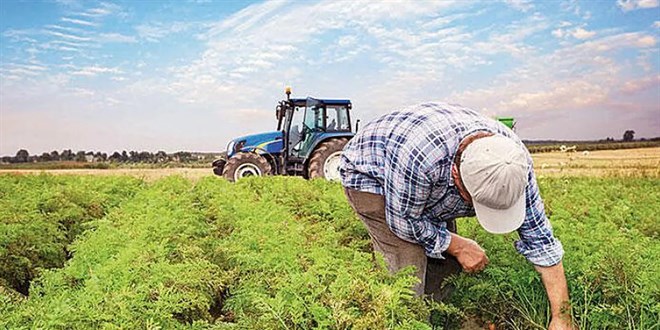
[[326, 101]]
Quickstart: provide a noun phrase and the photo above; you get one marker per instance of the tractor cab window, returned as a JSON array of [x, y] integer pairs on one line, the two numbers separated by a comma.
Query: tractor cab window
[[314, 118], [336, 118], [297, 129]]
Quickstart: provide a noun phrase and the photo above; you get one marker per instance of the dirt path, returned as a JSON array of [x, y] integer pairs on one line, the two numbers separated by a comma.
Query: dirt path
[[626, 162]]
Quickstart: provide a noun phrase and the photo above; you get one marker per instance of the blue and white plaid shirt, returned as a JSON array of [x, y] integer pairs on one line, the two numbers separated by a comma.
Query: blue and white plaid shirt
[[407, 156]]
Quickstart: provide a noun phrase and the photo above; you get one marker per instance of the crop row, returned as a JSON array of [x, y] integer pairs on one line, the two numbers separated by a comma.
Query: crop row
[[41, 215]]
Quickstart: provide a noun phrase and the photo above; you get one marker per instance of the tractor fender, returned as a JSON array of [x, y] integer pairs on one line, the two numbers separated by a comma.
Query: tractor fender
[[326, 137]]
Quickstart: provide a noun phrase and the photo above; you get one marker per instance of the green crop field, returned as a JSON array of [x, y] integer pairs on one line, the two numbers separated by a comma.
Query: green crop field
[[115, 252]]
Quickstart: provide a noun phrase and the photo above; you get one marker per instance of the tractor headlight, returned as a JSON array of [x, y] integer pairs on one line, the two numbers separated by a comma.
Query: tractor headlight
[[230, 147]]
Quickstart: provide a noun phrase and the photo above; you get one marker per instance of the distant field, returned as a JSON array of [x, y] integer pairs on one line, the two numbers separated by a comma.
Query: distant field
[[622, 162], [550, 146]]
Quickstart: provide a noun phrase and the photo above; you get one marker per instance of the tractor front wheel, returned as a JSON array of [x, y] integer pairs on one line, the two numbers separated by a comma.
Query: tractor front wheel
[[245, 164], [325, 160]]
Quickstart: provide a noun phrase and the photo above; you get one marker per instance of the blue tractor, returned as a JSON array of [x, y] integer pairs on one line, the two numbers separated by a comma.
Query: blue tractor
[[310, 136]]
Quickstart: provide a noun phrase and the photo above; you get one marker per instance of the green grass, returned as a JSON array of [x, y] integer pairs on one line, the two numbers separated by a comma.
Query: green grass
[[285, 253]]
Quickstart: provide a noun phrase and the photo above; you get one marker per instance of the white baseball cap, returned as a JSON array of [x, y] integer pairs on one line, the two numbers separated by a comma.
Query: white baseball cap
[[494, 171]]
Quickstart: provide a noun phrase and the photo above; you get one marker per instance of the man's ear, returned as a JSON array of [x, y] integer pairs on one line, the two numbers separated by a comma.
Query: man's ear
[[454, 172], [458, 182]]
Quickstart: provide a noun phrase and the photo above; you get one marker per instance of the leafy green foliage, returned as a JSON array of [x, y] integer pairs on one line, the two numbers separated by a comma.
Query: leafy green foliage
[[41, 215], [285, 253]]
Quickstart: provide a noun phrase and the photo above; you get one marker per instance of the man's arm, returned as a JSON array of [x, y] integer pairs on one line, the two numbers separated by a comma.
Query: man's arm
[[554, 281], [539, 245]]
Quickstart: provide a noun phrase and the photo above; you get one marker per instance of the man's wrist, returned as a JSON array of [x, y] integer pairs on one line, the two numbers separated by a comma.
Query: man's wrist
[[455, 245]]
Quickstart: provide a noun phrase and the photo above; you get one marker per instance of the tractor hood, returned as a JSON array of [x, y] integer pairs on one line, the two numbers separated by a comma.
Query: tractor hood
[[267, 142]]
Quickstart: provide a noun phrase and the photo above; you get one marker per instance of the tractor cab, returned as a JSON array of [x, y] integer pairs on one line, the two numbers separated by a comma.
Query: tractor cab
[[309, 121]]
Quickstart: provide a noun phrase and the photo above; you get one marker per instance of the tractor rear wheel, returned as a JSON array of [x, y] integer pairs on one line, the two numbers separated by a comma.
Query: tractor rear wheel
[[325, 160], [245, 164]]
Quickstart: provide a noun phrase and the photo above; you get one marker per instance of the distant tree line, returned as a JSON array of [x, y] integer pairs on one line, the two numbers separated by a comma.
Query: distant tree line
[[23, 156]]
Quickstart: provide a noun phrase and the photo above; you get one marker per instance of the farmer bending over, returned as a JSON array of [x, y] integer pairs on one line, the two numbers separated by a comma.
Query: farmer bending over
[[409, 173]]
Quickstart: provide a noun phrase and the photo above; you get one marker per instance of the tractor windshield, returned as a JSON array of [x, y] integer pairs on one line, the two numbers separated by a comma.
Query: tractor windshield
[[314, 115]]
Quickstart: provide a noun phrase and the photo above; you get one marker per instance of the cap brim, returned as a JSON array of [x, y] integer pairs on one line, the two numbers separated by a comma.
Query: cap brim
[[503, 221]]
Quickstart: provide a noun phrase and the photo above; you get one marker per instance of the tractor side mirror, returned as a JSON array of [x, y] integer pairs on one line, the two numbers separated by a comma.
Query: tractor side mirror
[[278, 112], [357, 125]]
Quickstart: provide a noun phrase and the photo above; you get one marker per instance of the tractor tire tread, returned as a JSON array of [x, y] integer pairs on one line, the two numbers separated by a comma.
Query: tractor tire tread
[[315, 168], [245, 157]]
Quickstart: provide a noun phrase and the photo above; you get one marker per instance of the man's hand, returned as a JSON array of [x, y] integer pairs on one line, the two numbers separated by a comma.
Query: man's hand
[[470, 255]]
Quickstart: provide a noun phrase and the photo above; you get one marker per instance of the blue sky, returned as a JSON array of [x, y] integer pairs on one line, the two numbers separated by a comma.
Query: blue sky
[[190, 75]]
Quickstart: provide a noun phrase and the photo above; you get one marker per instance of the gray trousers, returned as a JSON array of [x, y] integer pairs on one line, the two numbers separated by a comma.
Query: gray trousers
[[399, 253]]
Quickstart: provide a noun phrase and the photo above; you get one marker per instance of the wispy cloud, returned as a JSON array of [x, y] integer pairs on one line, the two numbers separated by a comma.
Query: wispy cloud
[[115, 37], [522, 5], [67, 35], [17, 71], [91, 71], [155, 31], [104, 9], [78, 21]]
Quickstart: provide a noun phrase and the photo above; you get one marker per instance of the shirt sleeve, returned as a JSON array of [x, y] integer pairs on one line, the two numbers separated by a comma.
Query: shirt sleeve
[[537, 243], [406, 193]]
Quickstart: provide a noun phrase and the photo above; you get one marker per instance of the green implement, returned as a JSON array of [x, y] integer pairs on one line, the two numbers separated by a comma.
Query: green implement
[[508, 121]]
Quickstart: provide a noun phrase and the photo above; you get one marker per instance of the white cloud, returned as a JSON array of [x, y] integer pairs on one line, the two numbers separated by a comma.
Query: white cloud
[[573, 77], [628, 5], [582, 34], [559, 33], [656, 24], [577, 33], [78, 21], [645, 83], [81, 92], [67, 35], [645, 41], [64, 28]]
